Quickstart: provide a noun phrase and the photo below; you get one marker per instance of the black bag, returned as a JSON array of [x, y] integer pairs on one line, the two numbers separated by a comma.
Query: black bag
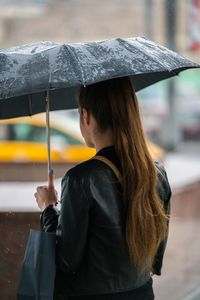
[[38, 268]]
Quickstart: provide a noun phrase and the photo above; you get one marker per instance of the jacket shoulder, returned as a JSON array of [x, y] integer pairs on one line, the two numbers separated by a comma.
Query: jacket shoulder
[[163, 185], [85, 169]]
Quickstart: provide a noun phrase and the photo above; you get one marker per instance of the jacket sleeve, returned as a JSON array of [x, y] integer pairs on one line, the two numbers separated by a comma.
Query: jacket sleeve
[[49, 219], [71, 226], [165, 193]]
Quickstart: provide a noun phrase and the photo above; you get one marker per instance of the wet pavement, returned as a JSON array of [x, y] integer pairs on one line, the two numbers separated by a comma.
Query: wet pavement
[[180, 279]]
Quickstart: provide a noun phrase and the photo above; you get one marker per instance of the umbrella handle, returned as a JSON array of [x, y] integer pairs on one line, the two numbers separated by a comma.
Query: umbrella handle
[[51, 178]]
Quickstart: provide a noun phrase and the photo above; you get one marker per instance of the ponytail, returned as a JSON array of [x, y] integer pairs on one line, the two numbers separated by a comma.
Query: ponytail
[[114, 105]]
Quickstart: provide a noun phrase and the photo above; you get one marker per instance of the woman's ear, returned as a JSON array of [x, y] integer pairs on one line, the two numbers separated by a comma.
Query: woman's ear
[[86, 116]]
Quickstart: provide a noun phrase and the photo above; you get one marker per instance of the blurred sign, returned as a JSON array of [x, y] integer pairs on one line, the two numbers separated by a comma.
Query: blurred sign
[[194, 25]]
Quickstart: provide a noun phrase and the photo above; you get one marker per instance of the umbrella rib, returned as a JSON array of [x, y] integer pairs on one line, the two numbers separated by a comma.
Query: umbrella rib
[[148, 55], [30, 105], [81, 70]]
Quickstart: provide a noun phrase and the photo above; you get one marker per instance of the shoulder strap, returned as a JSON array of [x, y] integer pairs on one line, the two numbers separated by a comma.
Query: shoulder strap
[[111, 165]]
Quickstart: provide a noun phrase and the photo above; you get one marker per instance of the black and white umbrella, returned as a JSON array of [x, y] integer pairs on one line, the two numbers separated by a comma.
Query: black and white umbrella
[[46, 76]]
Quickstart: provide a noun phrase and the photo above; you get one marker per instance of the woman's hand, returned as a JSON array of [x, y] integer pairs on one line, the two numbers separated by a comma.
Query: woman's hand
[[46, 195]]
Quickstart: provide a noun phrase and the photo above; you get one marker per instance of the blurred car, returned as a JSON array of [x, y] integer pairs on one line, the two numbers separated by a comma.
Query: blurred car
[[24, 140]]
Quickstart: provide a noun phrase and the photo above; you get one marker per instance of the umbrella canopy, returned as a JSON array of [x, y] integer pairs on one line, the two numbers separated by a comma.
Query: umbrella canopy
[[29, 71]]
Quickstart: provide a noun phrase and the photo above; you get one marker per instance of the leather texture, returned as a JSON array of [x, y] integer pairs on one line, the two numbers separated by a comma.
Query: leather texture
[[111, 165], [92, 254]]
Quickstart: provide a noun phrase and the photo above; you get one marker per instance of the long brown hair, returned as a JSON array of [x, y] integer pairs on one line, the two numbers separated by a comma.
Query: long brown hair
[[114, 105]]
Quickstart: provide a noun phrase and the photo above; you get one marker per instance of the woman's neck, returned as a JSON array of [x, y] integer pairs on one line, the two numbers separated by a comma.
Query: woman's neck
[[103, 140]]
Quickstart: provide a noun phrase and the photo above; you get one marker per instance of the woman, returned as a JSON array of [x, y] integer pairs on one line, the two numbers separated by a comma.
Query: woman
[[112, 227]]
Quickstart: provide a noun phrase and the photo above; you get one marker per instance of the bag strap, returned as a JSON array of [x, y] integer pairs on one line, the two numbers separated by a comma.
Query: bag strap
[[111, 165]]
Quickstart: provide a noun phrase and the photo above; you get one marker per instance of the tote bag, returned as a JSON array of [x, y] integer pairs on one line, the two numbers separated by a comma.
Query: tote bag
[[38, 268]]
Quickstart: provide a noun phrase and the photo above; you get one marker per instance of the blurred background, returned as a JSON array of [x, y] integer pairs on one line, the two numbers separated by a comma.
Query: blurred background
[[170, 113]]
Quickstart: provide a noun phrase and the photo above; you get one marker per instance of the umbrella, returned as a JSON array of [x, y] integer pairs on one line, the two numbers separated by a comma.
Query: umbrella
[[28, 71], [46, 76]]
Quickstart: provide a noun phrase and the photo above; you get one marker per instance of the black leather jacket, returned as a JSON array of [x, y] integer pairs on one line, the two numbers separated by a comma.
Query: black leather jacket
[[92, 255]]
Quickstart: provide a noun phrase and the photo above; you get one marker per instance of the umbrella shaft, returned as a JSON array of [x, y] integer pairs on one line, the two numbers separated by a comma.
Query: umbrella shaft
[[48, 130]]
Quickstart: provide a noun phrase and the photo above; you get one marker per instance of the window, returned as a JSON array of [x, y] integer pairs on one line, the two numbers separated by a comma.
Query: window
[[31, 133]]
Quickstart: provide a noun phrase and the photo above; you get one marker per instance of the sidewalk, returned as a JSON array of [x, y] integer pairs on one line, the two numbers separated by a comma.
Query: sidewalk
[[180, 279], [182, 169]]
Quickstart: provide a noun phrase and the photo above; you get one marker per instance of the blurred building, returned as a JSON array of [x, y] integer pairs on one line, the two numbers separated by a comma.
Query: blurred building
[[194, 25], [77, 20]]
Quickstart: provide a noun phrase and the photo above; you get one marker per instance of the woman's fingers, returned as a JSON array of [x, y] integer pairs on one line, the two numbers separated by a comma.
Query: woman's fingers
[[46, 195], [40, 188], [48, 191]]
